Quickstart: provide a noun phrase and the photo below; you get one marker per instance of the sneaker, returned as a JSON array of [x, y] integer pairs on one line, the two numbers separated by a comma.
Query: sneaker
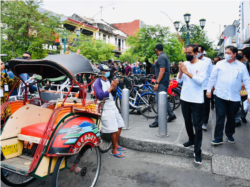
[[188, 144], [244, 120], [230, 139], [171, 118], [198, 159], [237, 124], [216, 142], [204, 126]]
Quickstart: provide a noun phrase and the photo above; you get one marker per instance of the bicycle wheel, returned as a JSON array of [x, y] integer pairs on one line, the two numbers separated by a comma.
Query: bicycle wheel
[[81, 169], [118, 103], [177, 98], [147, 106], [171, 101], [106, 142], [13, 179]]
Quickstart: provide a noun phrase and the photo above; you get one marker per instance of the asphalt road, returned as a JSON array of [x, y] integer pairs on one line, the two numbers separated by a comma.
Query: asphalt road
[[141, 169]]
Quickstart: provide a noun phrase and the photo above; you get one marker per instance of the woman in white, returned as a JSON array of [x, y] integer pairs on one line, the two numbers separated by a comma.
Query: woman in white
[[192, 74]]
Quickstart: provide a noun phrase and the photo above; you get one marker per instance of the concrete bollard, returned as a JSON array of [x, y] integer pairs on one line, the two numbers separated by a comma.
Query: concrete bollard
[[125, 108], [162, 114]]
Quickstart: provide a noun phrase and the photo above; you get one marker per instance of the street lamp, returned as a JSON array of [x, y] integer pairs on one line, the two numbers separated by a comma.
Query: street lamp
[[187, 18], [186, 28], [177, 25], [202, 23], [78, 32]]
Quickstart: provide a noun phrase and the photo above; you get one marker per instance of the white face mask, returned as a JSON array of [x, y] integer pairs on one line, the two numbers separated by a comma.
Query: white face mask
[[228, 57], [199, 55]]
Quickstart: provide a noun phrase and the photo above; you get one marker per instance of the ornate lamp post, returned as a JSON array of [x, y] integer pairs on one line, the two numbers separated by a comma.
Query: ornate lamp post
[[186, 28]]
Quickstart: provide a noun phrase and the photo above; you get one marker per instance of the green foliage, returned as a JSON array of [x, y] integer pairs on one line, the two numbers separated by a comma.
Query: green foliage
[[128, 57], [96, 53], [211, 53], [26, 29], [198, 36], [144, 42]]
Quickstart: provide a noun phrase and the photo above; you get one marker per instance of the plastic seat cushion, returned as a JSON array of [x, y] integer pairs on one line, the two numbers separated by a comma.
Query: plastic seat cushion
[[35, 130]]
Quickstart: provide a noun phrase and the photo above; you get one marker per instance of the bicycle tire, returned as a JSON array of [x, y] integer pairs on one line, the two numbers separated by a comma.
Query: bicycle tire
[[118, 104], [177, 98], [171, 101], [106, 142], [72, 176], [148, 110]]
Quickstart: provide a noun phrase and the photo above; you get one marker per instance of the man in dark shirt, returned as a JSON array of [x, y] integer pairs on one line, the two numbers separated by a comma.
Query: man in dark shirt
[[162, 73], [113, 69], [128, 69], [148, 67]]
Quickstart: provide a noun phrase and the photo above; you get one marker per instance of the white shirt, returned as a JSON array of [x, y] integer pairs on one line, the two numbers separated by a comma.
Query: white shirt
[[192, 90], [227, 79], [209, 65]]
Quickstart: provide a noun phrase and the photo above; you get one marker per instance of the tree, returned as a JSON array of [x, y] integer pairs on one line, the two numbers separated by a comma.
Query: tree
[[26, 29], [128, 57], [94, 50], [197, 36], [144, 42]]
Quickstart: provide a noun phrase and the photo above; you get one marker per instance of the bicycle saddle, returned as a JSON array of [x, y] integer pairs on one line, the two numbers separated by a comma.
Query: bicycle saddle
[[139, 86]]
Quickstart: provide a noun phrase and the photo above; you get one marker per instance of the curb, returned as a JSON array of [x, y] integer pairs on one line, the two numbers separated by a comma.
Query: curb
[[158, 147]]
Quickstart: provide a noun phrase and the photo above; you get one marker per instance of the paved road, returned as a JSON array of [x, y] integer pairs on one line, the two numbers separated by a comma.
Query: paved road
[[141, 169]]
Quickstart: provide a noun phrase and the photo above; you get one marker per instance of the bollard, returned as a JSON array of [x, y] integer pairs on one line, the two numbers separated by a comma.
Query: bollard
[[162, 114], [125, 108]]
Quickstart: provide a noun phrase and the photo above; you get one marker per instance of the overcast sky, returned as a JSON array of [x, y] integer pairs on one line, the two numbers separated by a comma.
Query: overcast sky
[[222, 12]]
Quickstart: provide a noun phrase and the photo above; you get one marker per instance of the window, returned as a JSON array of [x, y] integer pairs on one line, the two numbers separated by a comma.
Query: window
[[104, 38], [242, 8], [108, 39], [99, 35], [115, 40]]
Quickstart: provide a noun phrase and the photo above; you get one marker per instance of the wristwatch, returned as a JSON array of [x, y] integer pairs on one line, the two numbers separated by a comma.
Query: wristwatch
[[156, 82]]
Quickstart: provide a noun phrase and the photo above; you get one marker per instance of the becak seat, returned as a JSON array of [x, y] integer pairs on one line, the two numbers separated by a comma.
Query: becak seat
[[35, 130]]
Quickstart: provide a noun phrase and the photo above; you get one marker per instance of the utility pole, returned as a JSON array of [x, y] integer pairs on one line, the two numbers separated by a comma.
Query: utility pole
[[101, 11]]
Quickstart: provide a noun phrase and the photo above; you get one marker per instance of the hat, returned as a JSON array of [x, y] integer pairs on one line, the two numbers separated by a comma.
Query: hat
[[104, 67]]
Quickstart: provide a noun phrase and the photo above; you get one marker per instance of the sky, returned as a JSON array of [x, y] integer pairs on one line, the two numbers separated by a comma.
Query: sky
[[221, 12]]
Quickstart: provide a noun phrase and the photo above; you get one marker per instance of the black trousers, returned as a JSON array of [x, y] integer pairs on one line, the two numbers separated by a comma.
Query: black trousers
[[205, 109], [225, 108], [192, 116], [89, 81]]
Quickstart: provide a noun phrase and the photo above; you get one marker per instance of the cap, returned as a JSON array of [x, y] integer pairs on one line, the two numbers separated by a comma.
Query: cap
[[104, 67]]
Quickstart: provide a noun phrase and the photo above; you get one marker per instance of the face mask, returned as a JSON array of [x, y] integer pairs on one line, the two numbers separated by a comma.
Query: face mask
[[189, 57], [239, 57], [199, 55], [107, 74], [228, 57]]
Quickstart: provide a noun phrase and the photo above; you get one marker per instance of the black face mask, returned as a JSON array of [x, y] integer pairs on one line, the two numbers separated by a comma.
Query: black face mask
[[239, 56], [189, 57]]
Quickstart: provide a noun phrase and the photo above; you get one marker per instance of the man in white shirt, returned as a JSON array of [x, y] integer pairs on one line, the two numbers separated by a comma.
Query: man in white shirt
[[192, 73], [227, 77], [206, 106]]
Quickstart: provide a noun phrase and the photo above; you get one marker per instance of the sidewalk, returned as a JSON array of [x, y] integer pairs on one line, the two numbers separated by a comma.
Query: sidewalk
[[228, 159]]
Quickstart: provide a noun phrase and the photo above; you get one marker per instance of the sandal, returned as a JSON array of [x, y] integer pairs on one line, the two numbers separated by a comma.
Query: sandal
[[117, 155], [120, 149]]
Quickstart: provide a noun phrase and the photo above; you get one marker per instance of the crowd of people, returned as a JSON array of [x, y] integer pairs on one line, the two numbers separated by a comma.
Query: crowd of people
[[204, 81]]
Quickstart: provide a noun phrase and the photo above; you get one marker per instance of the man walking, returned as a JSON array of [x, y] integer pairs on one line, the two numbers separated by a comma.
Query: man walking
[[209, 66], [162, 80], [192, 73], [227, 77]]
